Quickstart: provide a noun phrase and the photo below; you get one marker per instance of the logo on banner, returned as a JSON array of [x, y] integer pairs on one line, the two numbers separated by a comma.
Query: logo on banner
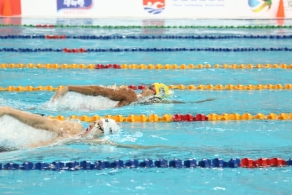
[[154, 6], [73, 4], [289, 3], [259, 5]]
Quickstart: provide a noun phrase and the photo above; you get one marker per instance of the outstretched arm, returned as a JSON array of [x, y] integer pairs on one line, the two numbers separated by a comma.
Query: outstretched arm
[[33, 120], [206, 100], [133, 146], [181, 102], [39, 122], [124, 96], [85, 90]]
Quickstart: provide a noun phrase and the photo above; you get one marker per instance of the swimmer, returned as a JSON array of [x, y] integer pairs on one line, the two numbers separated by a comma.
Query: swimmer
[[63, 129], [155, 93], [68, 131]]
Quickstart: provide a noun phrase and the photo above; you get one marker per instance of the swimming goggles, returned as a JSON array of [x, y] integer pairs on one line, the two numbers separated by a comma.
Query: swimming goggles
[[96, 125], [151, 87]]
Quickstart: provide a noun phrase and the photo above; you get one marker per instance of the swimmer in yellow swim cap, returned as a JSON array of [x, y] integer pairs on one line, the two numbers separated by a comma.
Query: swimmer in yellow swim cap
[[154, 93]]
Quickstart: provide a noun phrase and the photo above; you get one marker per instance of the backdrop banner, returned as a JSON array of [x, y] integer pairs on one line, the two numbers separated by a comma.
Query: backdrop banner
[[217, 9]]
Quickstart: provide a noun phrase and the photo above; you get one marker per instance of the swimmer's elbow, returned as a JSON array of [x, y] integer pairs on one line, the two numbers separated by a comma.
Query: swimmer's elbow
[[122, 103]]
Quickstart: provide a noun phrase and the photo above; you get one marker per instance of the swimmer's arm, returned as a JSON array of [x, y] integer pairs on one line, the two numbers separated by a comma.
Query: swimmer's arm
[[43, 143], [96, 91], [181, 102], [206, 100], [33, 120], [133, 146], [60, 93], [122, 103], [92, 90], [25, 117], [85, 90], [171, 102]]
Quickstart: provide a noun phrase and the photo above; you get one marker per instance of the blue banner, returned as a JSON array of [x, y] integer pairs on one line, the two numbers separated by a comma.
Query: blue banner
[[73, 4]]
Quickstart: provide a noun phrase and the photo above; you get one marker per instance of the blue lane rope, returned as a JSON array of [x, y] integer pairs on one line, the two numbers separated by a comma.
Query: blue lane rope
[[148, 26], [109, 37], [82, 50], [134, 163]]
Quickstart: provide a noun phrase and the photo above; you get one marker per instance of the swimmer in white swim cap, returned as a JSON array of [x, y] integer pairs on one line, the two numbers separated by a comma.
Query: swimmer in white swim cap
[[63, 129], [104, 126]]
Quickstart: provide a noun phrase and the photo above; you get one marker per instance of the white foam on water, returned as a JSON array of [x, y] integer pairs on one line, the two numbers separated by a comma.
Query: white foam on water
[[76, 101], [124, 137], [17, 135]]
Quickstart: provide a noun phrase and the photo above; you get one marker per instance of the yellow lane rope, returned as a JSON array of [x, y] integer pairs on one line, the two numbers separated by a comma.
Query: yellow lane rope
[[175, 118]]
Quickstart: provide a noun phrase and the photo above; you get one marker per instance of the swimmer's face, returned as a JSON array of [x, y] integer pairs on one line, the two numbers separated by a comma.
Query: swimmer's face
[[147, 91], [104, 126], [96, 128]]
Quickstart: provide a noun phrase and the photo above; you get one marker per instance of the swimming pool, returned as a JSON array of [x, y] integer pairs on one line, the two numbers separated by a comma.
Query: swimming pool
[[203, 139]]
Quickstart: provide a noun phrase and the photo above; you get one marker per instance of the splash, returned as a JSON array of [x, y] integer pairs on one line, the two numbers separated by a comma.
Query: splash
[[16, 135], [78, 102]]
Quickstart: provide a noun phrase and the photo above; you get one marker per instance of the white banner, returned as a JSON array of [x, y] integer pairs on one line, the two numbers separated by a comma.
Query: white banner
[[217, 9]]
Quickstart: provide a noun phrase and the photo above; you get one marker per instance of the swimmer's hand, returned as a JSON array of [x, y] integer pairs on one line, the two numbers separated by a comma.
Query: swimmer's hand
[[206, 100], [4, 110], [133, 146], [60, 93], [180, 102]]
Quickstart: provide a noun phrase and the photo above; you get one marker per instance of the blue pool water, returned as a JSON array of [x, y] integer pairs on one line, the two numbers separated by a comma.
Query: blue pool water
[[221, 139]]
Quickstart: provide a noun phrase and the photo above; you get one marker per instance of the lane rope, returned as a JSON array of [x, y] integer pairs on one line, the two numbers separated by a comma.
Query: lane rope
[[148, 26], [179, 117], [145, 37], [148, 163], [174, 87], [144, 66], [154, 49]]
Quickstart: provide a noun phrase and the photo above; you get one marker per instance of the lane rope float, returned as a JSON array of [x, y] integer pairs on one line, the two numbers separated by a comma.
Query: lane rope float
[[154, 49], [149, 26], [145, 37], [180, 117], [148, 163], [145, 66], [238, 87]]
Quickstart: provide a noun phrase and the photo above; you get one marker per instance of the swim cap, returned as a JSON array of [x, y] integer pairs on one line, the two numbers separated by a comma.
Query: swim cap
[[109, 126], [161, 90]]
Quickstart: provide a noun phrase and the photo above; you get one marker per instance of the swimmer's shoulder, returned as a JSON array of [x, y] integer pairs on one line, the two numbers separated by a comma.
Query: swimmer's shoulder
[[151, 100], [156, 99]]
